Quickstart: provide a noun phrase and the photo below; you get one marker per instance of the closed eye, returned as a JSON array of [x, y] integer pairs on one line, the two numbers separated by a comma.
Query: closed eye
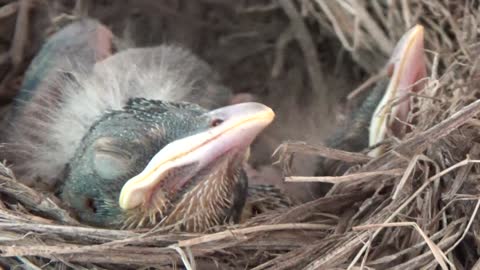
[[111, 159], [113, 147], [116, 153]]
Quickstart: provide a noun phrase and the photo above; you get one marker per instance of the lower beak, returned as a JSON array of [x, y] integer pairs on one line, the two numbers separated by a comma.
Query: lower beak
[[408, 66]]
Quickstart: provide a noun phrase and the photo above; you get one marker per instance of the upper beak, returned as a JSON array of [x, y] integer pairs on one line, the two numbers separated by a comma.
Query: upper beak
[[408, 66], [237, 127]]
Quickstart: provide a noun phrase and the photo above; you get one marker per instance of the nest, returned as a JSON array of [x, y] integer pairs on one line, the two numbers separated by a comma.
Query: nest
[[415, 207]]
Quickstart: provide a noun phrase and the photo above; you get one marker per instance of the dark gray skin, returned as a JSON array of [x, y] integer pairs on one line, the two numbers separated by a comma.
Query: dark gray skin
[[83, 42], [119, 146], [353, 135]]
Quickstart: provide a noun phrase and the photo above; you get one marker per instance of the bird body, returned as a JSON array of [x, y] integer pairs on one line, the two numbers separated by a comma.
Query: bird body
[[37, 156]]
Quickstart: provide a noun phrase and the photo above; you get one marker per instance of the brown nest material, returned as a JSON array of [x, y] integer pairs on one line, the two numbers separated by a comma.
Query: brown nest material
[[415, 207]]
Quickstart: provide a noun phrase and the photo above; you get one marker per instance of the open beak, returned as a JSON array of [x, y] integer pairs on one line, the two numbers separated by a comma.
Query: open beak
[[173, 166], [406, 67]]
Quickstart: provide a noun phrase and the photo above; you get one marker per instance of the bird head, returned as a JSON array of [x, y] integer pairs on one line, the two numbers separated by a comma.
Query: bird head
[[168, 163], [406, 68]]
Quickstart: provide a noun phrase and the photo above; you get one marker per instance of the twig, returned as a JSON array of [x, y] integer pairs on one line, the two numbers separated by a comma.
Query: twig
[[84, 233], [308, 46], [21, 33], [236, 233], [384, 44], [409, 200], [320, 150], [280, 46], [190, 265], [19, 42], [436, 251], [260, 8], [35, 200], [343, 178], [406, 175], [336, 24], [467, 228]]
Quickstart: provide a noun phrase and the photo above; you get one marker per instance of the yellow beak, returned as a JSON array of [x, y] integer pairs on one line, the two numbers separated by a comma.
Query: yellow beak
[[241, 123]]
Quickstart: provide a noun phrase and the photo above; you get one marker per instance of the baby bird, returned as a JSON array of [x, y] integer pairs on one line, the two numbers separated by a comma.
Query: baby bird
[[385, 110], [135, 140]]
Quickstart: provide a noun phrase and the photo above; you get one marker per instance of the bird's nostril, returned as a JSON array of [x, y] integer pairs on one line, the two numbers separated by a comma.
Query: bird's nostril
[[216, 122]]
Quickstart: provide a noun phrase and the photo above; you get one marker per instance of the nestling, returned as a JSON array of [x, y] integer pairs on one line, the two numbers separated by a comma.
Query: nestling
[[137, 139]]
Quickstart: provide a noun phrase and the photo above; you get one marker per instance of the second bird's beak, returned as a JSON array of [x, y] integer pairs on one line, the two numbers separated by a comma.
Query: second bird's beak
[[406, 68], [175, 164]]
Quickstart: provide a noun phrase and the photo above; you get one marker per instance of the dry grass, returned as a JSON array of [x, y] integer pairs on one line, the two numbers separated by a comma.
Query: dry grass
[[415, 207]]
